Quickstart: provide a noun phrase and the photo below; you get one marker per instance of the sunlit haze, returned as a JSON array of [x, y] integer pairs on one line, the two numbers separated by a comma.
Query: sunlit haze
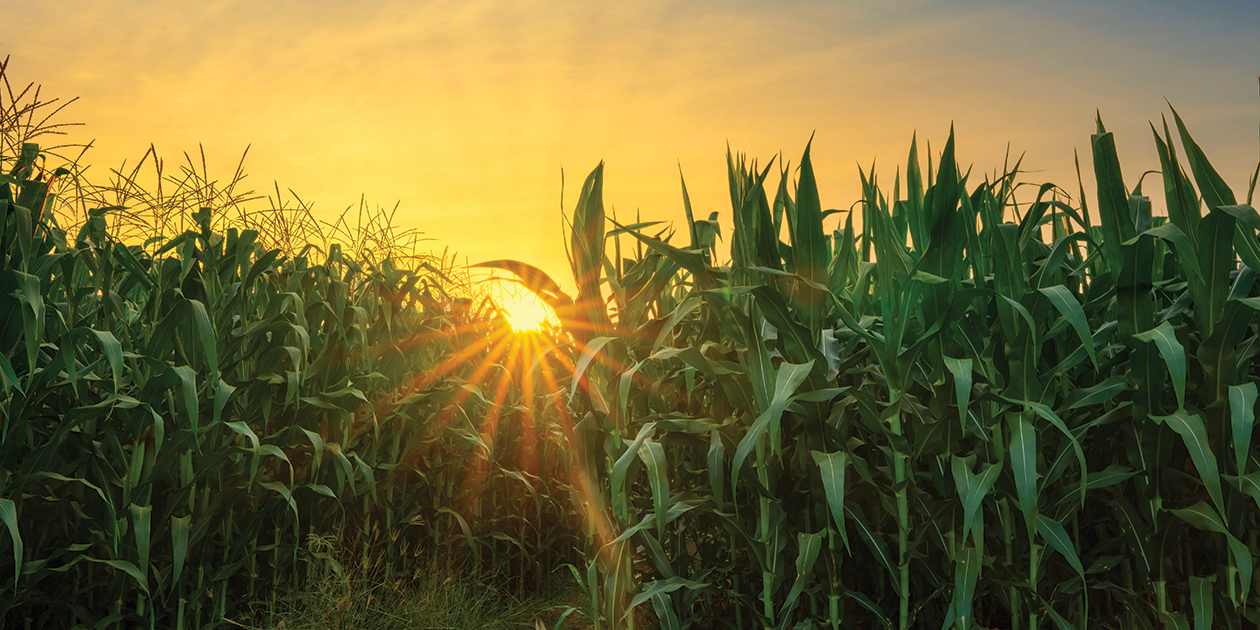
[[465, 113], [525, 312]]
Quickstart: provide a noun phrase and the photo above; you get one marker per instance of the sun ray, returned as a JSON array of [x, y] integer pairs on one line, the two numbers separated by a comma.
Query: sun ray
[[473, 482]]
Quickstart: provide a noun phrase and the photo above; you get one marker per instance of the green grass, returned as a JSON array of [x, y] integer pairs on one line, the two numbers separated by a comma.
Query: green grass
[[435, 596]]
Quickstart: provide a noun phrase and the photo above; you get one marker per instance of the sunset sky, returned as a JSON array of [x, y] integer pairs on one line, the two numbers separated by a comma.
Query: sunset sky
[[465, 112]]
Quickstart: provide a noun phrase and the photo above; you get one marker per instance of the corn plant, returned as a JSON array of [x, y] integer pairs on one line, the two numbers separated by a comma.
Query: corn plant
[[973, 412], [190, 424]]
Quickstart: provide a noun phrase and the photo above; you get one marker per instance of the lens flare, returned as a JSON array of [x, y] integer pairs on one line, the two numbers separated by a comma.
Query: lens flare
[[525, 312]]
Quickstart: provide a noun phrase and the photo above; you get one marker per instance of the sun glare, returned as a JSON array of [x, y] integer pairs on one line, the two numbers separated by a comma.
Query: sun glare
[[525, 312]]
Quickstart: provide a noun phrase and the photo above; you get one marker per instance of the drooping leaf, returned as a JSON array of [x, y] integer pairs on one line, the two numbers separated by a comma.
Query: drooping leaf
[[1053, 533], [1242, 417], [1174, 356], [1194, 435], [972, 489], [832, 467]]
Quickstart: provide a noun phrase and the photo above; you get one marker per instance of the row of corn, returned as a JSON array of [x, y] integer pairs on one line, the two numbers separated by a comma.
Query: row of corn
[[192, 426], [975, 404]]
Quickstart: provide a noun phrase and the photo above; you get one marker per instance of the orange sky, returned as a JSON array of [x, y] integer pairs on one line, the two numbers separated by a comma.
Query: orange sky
[[465, 112]]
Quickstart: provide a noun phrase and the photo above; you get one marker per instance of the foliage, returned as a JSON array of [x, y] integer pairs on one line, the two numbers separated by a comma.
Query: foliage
[[190, 421], [966, 412]]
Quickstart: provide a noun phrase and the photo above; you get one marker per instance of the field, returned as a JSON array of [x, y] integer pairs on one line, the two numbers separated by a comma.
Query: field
[[978, 404]]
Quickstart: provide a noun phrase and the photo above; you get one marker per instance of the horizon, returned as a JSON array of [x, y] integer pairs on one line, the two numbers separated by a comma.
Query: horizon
[[465, 114]]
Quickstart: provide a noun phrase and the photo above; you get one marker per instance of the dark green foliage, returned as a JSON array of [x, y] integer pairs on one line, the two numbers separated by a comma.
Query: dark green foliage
[[188, 427], [972, 413]]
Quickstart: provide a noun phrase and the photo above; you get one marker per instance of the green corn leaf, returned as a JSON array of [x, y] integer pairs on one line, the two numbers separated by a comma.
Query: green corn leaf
[[665, 612], [244, 429], [345, 467], [961, 369], [1074, 314], [587, 255], [1180, 197], [810, 250], [664, 587], [1216, 260], [1177, 621], [1059, 621], [875, 544], [808, 546], [112, 350], [8, 376], [1182, 247], [1174, 356], [1113, 205], [1242, 417], [207, 336], [284, 492], [1052, 532], [618, 481], [870, 606], [321, 489], [126, 567], [1023, 452], [1201, 601], [180, 526], [692, 261], [1098, 394], [141, 518], [31, 295], [1250, 486], [1202, 516], [760, 370], [746, 446], [653, 456], [1135, 531], [676, 509], [1111, 476], [463, 525], [832, 467], [589, 353], [716, 460], [790, 376], [1244, 240], [134, 470], [1049, 415], [187, 393], [127, 258], [966, 574], [222, 394], [1193, 433], [8, 513], [972, 488], [317, 447], [1211, 185], [799, 340], [691, 220], [368, 475]]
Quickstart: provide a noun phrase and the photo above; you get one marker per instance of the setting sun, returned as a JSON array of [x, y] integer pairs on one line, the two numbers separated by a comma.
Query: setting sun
[[525, 312]]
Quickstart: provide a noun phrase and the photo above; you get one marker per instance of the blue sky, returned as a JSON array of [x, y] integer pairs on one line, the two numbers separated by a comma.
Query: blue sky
[[465, 112]]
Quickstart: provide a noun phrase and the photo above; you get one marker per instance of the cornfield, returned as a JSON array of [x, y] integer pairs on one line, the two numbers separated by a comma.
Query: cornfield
[[960, 410]]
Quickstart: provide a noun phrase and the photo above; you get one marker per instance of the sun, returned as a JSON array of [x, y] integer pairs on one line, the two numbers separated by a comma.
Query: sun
[[525, 312]]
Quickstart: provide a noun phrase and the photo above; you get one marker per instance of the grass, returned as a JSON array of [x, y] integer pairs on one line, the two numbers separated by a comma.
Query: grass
[[434, 597]]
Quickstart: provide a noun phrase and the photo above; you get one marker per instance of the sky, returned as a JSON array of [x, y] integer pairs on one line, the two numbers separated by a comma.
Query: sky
[[465, 113]]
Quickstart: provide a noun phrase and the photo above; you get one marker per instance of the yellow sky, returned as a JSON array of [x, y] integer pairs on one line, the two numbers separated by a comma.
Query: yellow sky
[[465, 112]]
